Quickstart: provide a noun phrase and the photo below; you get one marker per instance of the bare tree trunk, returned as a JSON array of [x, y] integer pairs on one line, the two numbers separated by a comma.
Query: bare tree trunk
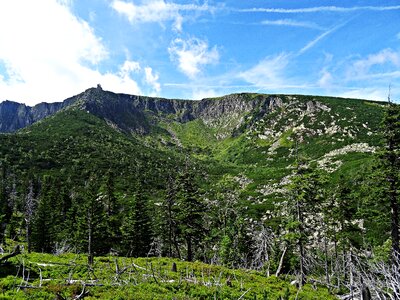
[[344, 265], [29, 212], [90, 236], [365, 293], [170, 227], [278, 271], [169, 236], [178, 252], [17, 250], [326, 261], [337, 271], [28, 236], [351, 274], [301, 245], [394, 208], [302, 267], [189, 248]]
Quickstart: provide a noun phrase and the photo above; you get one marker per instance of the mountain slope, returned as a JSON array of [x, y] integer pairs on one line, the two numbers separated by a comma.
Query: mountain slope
[[240, 129], [116, 170], [254, 136]]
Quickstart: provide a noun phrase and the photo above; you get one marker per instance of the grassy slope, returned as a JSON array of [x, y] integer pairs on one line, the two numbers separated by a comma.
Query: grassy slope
[[353, 121], [56, 276]]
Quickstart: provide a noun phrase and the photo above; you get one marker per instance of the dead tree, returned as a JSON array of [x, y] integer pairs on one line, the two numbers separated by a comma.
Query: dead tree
[[30, 205], [17, 250]]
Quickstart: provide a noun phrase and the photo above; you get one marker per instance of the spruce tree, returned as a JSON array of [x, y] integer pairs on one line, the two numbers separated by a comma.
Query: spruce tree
[[228, 223], [3, 203], [43, 219], [112, 209], [390, 162], [136, 228], [91, 231], [340, 213], [305, 193], [189, 211], [167, 225]]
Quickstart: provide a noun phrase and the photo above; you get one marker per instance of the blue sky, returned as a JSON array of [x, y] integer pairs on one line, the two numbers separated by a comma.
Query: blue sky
[[53, 49]]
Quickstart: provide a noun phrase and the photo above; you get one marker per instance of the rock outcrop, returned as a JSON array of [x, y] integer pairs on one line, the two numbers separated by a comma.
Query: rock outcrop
[[14, 116]]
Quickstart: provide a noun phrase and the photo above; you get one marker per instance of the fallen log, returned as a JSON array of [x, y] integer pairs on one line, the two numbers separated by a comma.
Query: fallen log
[[16, 251]]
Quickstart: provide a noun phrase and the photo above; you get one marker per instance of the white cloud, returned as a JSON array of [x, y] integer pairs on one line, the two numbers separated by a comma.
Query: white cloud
[[326, 79], [386, 59], [320, 37], [318, 9], [128, 67], [366, 93], [398, 36], [157, 11], [268, 73], [152, 79], [192, 54], [292, 23], [50, 54], [199, 94]]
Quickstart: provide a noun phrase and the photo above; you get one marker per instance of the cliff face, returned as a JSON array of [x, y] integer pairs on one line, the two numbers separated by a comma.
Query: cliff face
[[14, 116], [137, 113]]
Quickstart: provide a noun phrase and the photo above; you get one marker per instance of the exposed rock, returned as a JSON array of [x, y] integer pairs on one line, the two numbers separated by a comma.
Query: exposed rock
[[313, 106], [357, 147], [14, 116], [328, 163]]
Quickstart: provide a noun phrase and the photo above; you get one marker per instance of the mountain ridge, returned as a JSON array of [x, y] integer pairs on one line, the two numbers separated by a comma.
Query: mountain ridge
[[244, 129], [14, 115], [240, 129]]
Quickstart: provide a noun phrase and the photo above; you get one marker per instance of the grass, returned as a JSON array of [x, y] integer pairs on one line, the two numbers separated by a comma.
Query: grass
[[46, 276]]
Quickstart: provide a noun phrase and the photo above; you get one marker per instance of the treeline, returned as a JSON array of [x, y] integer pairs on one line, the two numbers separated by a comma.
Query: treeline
[[345, 235]]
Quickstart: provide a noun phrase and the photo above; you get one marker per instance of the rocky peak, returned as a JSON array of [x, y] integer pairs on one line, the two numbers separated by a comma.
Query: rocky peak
[[14, 115]]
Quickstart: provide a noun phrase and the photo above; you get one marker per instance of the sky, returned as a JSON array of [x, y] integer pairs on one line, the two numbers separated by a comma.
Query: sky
[[53, 49]]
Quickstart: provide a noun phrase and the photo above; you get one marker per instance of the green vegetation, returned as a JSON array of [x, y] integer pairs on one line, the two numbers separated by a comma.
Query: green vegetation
[[65, 276], [246, 186]]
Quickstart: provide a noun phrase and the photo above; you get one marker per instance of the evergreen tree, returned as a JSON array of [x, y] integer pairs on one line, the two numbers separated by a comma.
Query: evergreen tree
[[91, 231], [228, 224], [167, 226], [6, 200], [4, 207], [390, 161], [50, 215], [43, 219], [113, 211], [29, 212], [136, 228], [14, 214], [63, 205], [189, 211], [340, 215], [306, 196]]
